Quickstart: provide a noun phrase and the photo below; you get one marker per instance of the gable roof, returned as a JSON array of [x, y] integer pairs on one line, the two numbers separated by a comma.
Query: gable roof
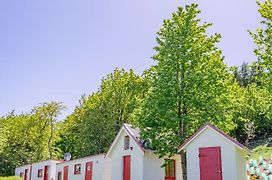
[[134, 134], [218, 131]]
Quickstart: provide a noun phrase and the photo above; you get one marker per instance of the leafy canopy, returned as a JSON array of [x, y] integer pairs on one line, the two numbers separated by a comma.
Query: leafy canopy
[[28, 137], [263, 40], [98, 118], [190, 84]]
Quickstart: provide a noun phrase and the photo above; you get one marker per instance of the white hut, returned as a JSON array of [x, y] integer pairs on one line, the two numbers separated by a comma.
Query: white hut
[[23, 172], [95, 167], [212, 154], [43, 170], [132, 160]]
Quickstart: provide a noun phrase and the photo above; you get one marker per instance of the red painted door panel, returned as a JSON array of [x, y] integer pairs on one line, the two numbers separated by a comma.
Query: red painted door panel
[[89, 171], [210, 163], [26, 174], [65, 173], [126, 168], [46, 169]]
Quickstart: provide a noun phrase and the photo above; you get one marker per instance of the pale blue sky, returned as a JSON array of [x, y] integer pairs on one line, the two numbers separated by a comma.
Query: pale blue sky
[[60, 49]]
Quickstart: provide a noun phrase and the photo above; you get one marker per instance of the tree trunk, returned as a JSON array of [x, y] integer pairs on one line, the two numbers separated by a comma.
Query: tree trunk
[[49, 140], [181, 111], [183, 164], [247, 142]]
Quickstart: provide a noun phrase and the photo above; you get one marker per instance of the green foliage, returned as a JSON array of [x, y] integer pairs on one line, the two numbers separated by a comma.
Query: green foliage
[[11, 178], [248, 74], [263, 40], [98, 118], [264, 151], [28, 137], [255, 105], [190, 86], [254, 108], [253, 115]]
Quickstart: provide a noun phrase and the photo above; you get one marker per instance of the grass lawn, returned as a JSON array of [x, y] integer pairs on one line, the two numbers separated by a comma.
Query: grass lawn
[[263, 151], [10, 178]]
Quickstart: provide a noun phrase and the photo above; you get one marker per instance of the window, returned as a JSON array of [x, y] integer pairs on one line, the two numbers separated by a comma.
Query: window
[[126, 143], [170, 170], [40, 173], [59, 175], [77, 169]]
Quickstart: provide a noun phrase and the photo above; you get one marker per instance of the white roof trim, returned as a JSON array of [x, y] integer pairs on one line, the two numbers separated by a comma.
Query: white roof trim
[[202, 130], [128, 132]]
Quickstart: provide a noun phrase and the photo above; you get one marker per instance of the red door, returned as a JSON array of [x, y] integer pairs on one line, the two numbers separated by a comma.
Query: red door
[[26, 173], [89, 171], [46, 169], [65, 173], [210, 163], [126, 168]]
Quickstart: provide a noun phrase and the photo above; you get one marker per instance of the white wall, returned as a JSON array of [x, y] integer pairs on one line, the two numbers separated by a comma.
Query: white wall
[[35, 167], [241, 164], [100, 168], [41, 165], [209, 138], [117, 154], [21, 169], [178, 167], [107, 169], [153, 169]]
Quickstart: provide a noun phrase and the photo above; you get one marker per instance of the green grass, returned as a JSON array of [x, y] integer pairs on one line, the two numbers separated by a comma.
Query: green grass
[[10, 178], [263, 151]]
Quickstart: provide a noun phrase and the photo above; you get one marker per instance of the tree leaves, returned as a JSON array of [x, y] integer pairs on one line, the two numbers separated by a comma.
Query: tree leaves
[[28, 137], [191, 86], [96, 121], [263, 40]]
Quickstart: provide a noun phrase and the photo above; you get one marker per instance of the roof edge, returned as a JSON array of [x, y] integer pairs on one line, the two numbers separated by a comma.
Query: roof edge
[[81, 158], [218, 131], [127, 130]]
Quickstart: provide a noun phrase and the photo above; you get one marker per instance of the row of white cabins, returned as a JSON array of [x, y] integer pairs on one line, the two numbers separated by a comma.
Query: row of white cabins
[[211, 155]]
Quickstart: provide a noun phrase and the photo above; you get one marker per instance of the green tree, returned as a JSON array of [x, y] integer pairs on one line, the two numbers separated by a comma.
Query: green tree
[[247, 74], [98, 118], [263, 40], [253, 115], [190, 86], [47, 114], [28, 137]]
